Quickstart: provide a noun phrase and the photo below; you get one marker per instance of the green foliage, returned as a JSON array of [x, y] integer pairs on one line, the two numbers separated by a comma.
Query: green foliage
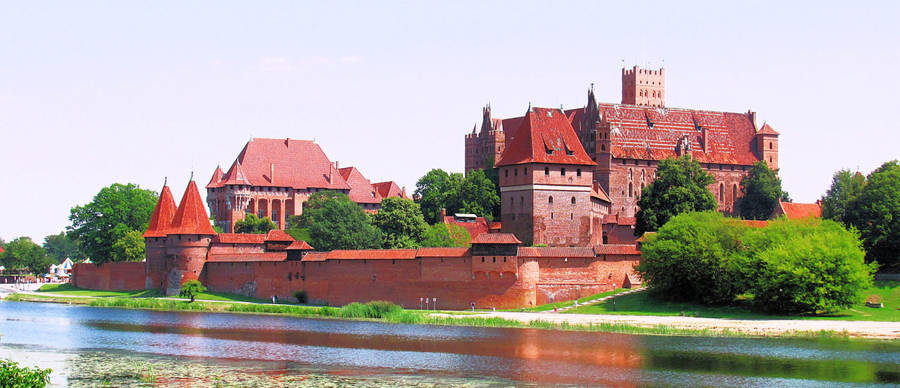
[[129, 247], [60, 246], [191, 288], [14, 376], [845, 187], [680, 186], [807, 266], [760, 192], [443, 235], [790, 266], [114, 211], [215, 224], [22, 253], [876, 214], [475, 193], [401, 223], [493, 174], [335, 222], [301, 296], [253, 224], [372, 310], [695, 256]]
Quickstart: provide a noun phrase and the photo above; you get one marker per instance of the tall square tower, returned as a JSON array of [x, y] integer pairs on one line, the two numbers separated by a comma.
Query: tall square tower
[[644, 86]]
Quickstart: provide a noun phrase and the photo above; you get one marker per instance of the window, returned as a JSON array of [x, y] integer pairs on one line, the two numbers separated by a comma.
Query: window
[[506, 173], [630, 190], [573, 200], [549, 151], [525, 171], [494, 260], [770, 145], [578, 172], [603, 147], [515, 172], [550, 200], [562, 171], [546, 170], [721, 192], [734, 193]]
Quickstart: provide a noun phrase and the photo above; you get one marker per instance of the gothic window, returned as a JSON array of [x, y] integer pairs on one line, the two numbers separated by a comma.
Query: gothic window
[[721, 192], [603, 147], [630, 190], [770, 145], [525, 171], [573, 200], [642, 178], [521, 202], [734, 193], [551, 199], [630, 174]]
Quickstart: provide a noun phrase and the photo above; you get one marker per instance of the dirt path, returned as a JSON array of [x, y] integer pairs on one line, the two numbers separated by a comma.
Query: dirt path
[[862, 329]]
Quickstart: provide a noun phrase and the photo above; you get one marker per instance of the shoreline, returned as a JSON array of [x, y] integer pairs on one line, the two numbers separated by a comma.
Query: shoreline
[[623, 324]]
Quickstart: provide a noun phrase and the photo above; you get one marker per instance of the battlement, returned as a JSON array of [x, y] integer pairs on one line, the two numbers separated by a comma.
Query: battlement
[[644, 86]]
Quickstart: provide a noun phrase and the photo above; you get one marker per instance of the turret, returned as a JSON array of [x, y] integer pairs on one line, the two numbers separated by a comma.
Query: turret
[[767, 145], [155, 238], [644, 86], [189, 236]]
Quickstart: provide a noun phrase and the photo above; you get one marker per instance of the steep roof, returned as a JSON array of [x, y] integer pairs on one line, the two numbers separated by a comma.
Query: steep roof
[[545, 136], [191, 217], [162, 214], [361, 190], [496, 238], [216, 180], [299, 246], [796, 211], [278, 235], [235, 176], [767, 130], [389, 189], [597, 192], [298, 164]]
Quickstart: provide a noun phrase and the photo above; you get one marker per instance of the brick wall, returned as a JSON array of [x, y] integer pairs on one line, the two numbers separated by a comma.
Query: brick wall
[[109, 276]]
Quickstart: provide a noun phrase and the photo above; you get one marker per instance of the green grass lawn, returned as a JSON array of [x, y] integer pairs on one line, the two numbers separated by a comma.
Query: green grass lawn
[[68, 289], [643, 304], [550, 306]]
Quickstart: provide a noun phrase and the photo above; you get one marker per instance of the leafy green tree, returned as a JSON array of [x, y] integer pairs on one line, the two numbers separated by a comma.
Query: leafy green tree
[[845, 187], [254, 225], [114, 211], [22, 253], [12, 375], [443, 235], [335, 222], [696, 256], [190, 289], [400, 222], [60, 246], [478, 195], [438, 190], [215, 225], [680, 186], [876, 214], [807, 267], [760, 192], [493, 174], [294, 229], [129, 247]]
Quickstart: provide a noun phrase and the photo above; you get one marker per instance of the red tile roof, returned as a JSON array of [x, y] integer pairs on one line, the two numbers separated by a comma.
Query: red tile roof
[[191, 217], [389, 189], [278, 235], [556, 252], [796, 211], [235, 176], [496, 238], [246, 257], [597, 192], [545, 136], [240, 238], [361, 190], [216, 180], [315, 256], [1, 250], [442, 252], [472, 228], [299, 246], [756, 223], [162, 214], [297, 164], [616, 249], [767, 130], [619, 220], [372, 254]]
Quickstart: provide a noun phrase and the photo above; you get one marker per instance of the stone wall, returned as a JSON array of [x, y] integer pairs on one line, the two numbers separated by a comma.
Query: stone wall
[[109, 276]]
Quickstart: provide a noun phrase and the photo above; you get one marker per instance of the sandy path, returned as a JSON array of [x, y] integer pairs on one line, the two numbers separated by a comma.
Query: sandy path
[[864, 329]]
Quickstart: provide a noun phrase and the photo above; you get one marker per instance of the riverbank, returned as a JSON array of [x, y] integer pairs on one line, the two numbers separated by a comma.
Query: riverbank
[[649, 325]]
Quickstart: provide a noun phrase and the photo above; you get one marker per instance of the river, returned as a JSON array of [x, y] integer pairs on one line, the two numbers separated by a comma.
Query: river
[[88, 346]]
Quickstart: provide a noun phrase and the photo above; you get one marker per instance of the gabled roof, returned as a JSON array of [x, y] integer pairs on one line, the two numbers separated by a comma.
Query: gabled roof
[[767, 130], [545, 136], [278, 235], [389, 189], [496, 238], [299, 246], [597, 192], [216, 180], [796, 211], [235, 176], [297, 164], [361, 190], [191, 217], [162, 214]]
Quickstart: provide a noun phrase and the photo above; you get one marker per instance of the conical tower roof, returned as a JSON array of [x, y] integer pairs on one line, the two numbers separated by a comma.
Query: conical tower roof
[[191, 217], [216, 179], [162, 214]]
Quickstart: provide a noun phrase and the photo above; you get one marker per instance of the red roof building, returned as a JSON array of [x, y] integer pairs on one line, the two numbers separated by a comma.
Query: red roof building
[[191, 218], [163, 214], [798, 211], [273, 177]]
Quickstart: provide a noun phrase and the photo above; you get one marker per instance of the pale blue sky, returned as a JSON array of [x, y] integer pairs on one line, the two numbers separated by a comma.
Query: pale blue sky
[[93, 93]]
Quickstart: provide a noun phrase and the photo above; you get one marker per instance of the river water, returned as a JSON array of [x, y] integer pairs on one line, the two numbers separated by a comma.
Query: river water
[[89, 346]]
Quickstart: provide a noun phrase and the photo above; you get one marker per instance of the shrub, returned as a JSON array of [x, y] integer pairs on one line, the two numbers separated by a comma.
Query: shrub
[[300, 295], [191, 289], [374, 310], [13, 375]]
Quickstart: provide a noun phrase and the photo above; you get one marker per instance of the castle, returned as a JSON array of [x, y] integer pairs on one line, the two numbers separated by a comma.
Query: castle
[[273, 178], [589, 165]]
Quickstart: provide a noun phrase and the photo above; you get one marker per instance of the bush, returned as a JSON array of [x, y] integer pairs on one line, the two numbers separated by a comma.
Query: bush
[[13, 375], [374, 310], [300, 295], [191, 289], [696, 257]]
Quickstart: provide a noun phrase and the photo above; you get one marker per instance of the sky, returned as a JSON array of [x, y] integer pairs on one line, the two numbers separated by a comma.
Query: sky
[[93, 93]]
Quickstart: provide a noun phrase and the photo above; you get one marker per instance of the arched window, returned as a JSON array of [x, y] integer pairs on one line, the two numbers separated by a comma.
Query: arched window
[[734, 193], [630, 190], [630, 174], [770, 145], [551, 199], [721, 192], [573, 200]]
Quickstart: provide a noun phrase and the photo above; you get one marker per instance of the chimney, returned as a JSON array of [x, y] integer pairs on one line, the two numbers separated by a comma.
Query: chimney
[[272, 173], [704, 139], [337, 165], [752, 115], [403, 192]]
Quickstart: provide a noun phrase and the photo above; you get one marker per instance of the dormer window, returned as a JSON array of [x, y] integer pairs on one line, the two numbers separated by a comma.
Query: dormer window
[[549, 151], [570, 152]]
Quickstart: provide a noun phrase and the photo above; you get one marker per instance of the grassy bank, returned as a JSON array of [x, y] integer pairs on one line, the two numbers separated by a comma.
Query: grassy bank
[[70, 290], [888, 292], [559, 305]]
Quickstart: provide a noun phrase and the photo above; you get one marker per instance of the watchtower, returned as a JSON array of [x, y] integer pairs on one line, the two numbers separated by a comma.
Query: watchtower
[[644, 86]]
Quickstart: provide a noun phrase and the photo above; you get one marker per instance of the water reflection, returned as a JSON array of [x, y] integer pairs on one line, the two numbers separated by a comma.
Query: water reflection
[[362, 349]]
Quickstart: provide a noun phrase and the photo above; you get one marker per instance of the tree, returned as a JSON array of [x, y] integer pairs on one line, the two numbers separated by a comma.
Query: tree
[[60, 246], [190, 289], [845, 187], [22, 253], [254, 225], [493, 174], [114, 211], [13, 375], [401, 223], [478, 195], [438, 190], [760, 192], [680, 186], [876, 214], [696, 256], [443, 235], [215, 224], [335, 222], [129, 247], [294, 229]]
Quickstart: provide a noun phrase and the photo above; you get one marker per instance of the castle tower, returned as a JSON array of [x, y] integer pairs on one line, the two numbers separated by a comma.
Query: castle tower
[[767, 145], [188, 240], [155, 238], [545, 182], [643, 86]]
